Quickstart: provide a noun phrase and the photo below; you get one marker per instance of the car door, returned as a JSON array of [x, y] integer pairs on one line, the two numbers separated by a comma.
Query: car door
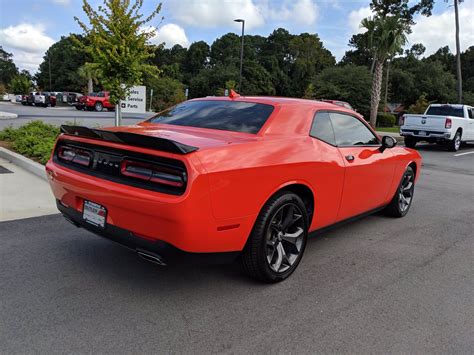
[[327, 177], [470, 124], [369, 170]]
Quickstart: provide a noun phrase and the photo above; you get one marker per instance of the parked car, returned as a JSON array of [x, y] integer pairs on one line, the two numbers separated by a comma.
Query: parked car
[[443, 124], [248, 176], [44, 99], [18, 98], [28, 99], [95, 101], [338, 103], [72, 98]]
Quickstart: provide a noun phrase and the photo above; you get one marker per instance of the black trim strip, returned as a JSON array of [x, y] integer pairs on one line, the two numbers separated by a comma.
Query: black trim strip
[[138, 140]]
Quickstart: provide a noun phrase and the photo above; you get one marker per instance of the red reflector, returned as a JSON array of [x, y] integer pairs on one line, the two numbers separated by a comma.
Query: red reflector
[[448, 123]]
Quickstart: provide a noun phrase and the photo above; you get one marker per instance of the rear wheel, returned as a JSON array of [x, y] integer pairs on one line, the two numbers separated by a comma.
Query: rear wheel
[[403, 198], [454, 144], [98, 106], [278, 239], [410, 142]]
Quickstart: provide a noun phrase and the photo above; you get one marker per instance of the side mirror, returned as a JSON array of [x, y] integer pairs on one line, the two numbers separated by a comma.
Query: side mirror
[[388, 142]]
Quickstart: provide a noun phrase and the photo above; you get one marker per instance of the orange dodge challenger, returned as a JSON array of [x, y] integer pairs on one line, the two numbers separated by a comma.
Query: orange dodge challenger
[[230, 175]]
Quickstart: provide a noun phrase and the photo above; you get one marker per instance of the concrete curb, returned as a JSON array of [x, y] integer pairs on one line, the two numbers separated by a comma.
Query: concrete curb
[[7, 115], [25, 163]]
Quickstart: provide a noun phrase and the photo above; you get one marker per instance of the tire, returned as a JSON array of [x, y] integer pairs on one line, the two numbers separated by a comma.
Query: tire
[[454, 144], [78, 108], [98, 106], [278, 239], [410, 142], [399, 205]]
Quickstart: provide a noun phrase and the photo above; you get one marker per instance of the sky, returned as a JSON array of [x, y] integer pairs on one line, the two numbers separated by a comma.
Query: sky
[[29, 27]]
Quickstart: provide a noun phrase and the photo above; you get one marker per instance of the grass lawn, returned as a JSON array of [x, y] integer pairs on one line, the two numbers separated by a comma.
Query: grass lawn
[[394, 129]]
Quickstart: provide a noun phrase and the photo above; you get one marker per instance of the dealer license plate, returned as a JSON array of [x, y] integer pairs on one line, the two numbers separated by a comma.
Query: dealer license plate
[[94, 214], [422, 133]]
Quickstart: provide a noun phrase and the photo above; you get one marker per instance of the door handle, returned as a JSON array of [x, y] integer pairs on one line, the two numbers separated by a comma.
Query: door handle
[[349, 157]]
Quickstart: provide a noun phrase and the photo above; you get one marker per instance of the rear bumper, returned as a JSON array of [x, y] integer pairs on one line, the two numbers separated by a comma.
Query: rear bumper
[[424, 134], [186, 222], [168, 253]]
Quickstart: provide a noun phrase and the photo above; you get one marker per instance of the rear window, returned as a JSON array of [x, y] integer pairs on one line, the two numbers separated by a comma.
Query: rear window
[[445, 111], [247, 117]]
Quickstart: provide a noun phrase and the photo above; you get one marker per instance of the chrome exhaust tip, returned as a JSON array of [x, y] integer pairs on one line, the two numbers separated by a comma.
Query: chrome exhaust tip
[[151, 257]]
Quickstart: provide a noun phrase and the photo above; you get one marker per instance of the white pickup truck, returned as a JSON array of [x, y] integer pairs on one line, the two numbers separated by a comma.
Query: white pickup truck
[[447, 124]]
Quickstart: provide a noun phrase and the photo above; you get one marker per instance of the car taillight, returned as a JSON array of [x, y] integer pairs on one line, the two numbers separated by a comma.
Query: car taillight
[[78, 156], [448, 123], [152, 173], [402, 121]]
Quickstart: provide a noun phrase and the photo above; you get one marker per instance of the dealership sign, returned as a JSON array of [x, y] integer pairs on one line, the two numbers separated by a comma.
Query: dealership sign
[[136, 100]]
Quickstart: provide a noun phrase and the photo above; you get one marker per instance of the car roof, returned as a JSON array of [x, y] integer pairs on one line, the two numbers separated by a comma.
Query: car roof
[[271, 100]]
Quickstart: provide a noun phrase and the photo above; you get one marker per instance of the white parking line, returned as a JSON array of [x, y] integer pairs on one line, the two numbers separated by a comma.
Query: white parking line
[[458, 155]]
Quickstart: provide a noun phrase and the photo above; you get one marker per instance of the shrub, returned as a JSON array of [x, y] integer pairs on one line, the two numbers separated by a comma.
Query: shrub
[[385, 119], [34, 140]]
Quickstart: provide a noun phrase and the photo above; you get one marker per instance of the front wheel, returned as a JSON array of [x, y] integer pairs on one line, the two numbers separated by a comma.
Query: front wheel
[[410, 142], [403, 198], [454, 144], [278, 239], [98, 106]]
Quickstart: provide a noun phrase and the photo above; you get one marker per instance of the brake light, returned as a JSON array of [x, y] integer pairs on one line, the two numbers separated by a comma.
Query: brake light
[[153, 173], [448, 123], [402, 120], [78, 156]]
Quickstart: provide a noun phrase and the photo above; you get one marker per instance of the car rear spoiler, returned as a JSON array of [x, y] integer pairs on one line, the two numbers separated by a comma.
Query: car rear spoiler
[[138, 140]]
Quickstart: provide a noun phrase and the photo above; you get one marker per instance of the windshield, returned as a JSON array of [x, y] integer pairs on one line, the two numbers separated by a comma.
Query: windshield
[[247, 117], [445, 110]]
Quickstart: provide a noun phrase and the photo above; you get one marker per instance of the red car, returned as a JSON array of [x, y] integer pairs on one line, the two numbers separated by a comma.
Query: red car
[[96, 101], [243, 175]]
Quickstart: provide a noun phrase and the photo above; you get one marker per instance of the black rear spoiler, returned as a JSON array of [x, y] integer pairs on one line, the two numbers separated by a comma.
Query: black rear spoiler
[[138, 140]]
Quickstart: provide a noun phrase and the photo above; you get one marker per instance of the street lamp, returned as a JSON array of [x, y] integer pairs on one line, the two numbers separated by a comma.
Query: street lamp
[[241, 53]]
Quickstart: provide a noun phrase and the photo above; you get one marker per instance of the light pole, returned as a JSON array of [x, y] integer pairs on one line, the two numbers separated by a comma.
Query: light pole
[[241, 53]]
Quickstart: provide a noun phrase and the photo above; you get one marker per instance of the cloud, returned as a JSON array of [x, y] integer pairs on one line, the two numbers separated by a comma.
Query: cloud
[[438, 30], [256, 13], [300, 12], [61, 2], [214, 13], [171, 34], [356, 16], [27, 42]]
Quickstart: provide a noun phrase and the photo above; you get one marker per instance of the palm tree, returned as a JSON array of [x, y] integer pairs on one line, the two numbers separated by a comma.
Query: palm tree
[[458, 52], [387, 36], [89, 72]]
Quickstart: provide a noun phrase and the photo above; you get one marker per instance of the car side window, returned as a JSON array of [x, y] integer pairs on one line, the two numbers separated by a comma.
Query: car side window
[[349, 131], [470, 112], [322, 128]]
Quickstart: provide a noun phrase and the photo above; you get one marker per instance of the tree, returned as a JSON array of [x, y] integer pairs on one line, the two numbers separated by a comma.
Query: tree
[[361, 54], [458, 52], [350, 83], [420, 106], [197, 57], [61, 60], [387, 36], [119, 45], [405, 10], [8, 69], [20, 84], [166, 92], [90, 73]]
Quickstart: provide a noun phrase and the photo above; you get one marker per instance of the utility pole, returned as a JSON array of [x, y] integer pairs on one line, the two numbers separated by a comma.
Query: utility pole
[[241, 53], [458, 53], [49, 60]]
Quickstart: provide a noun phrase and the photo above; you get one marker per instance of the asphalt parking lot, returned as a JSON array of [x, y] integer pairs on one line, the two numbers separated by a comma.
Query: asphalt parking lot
[[374, 285], [64, 114]]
